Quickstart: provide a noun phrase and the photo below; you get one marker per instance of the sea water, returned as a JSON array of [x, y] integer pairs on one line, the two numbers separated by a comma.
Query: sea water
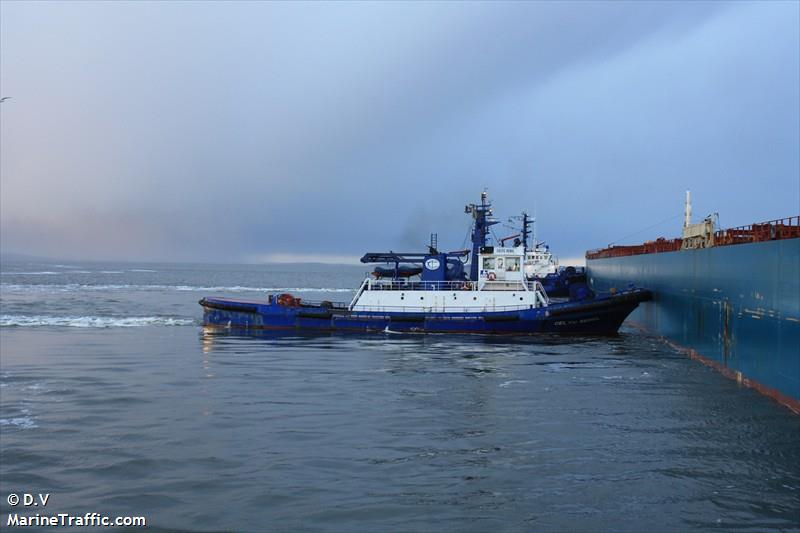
[[114, 400]]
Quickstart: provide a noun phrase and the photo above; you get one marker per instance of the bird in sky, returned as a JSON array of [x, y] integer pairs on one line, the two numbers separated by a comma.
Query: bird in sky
[[3, 99]]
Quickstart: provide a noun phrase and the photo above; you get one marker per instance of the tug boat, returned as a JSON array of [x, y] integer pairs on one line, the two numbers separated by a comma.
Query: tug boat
[[542, 266], [482, 290]]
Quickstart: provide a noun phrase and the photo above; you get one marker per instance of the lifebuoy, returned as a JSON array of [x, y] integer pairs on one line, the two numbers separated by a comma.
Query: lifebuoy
[[491, 276], [466, 286]]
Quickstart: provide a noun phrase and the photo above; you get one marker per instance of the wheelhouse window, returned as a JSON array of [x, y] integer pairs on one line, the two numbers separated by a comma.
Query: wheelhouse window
[[512, 264], [488, 263]]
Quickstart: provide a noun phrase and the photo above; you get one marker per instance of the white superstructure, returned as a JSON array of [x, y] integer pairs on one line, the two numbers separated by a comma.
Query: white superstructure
[[700, 235], [539, 262], [501, 286]]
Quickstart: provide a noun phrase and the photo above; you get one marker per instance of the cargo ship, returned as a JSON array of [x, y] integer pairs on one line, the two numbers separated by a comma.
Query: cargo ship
[[729, 298]]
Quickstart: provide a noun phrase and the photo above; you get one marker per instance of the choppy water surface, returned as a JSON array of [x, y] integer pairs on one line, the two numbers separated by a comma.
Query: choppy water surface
[[113, 399]]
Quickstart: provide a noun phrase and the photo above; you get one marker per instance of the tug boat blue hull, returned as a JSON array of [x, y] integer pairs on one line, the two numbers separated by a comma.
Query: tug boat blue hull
[[602, 315], [557, 285]]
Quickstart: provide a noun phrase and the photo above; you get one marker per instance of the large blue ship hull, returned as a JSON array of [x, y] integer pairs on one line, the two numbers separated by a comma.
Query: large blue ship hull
[[736, 307], [599, 316]]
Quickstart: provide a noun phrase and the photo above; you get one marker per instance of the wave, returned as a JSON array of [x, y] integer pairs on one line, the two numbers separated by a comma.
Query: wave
[[42, 273], [24, 422], [92, 321], [74, 287], [238, 288], [70, 271], [142, 270]]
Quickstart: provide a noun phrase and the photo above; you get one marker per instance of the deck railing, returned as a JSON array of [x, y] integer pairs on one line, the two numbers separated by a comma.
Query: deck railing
[[782, 228], [438, 308], [369, 284], [651, 247], [454, 286]]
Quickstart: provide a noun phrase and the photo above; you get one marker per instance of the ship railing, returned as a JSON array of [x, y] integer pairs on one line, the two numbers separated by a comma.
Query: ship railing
[[541, 294], [323, 303], [360, 290], [438, 308], [409, 285], [504, 285], [651, 247], [370, 284], [782, 228]]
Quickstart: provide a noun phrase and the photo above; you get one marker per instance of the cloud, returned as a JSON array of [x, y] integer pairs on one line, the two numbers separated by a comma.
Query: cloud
[[241, 129]]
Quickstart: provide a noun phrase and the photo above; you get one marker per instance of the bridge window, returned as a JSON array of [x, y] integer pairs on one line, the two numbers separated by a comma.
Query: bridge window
[[512, 264], [488, 263]]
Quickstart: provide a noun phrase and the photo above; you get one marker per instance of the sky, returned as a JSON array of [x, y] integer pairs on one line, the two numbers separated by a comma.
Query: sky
[[249, 132]]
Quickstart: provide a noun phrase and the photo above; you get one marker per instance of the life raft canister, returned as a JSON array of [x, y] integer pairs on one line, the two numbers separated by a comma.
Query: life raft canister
[[287, 300]]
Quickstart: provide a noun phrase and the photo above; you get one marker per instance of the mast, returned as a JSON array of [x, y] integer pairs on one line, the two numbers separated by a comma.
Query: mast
[[482, 214], [687, 210], [525, 232], [526, 221]]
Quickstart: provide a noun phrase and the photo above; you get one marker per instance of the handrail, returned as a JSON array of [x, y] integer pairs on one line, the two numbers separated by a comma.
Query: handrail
[[319, 303], [541, 294], [781, 228], [370, 284], [778, 229], [358, 293], [440, 309], [534, 288]]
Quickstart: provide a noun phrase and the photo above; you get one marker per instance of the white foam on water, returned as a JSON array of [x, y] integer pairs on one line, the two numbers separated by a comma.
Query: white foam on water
[[92, 321], [142, 270], [24, 422], [238, 288], [72, 287], [511, 382], [41, 273]]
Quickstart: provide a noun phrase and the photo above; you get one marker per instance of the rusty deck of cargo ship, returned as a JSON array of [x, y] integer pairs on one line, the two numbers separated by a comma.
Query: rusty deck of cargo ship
[[729, 298]]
